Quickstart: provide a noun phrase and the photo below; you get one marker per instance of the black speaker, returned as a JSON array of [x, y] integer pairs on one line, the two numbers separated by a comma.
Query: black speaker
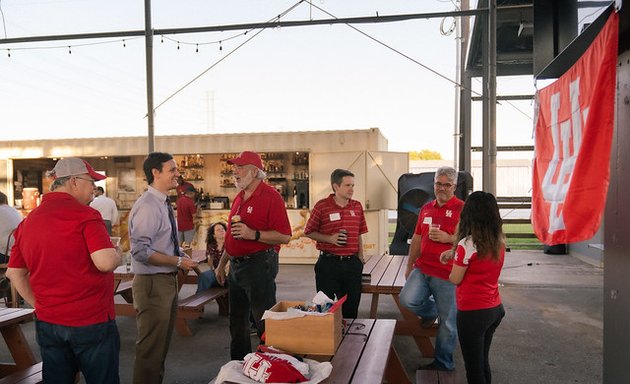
[[414, 191]]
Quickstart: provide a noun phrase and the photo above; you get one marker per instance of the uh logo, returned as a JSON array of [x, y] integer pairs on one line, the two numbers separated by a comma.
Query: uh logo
[[566, 137]]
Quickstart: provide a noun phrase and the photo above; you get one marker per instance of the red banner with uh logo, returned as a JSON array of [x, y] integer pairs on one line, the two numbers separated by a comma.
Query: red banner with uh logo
[[573, 136]]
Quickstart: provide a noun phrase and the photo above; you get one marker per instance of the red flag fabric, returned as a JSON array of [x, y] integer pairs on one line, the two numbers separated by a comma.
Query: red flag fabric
[[573, 136]]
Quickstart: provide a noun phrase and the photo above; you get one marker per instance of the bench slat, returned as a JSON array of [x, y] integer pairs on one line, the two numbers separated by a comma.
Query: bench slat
[[198, 300], [32, 374]]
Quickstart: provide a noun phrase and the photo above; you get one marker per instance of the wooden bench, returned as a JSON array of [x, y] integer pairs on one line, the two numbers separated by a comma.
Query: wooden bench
[[440, 377], [30, 375], [191, 307]]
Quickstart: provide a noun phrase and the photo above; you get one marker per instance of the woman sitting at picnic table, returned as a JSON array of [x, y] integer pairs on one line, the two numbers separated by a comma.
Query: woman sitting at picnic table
[[214, 249], [478, 259]]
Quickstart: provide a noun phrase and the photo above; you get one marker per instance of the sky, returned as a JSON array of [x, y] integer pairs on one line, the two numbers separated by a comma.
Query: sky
[[325, 77]]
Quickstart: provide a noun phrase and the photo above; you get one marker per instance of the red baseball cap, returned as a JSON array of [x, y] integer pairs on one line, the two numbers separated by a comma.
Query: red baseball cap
[[247, 157], [73, 166]]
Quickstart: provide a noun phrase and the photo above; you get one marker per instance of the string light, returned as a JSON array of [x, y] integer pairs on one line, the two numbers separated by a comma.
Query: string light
[[9, 52], [178, 45], [69, 50], [162, 39], [197, 49], [124, 44], [220, 46]]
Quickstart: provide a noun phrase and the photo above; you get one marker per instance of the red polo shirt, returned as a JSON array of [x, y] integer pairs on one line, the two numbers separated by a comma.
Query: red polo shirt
[[448, 217], [328, 217], [54, 243], [480, 287], [186, 211], [263, 211]]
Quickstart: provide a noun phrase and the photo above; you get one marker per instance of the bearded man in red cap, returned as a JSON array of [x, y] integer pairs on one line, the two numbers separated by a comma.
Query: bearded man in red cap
[[258, 224], [61, 264]]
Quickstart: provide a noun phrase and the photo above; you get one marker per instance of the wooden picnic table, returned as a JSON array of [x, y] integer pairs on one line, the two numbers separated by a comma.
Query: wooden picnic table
[[366, 354], [10, 321], [385, 275], [189, 308]]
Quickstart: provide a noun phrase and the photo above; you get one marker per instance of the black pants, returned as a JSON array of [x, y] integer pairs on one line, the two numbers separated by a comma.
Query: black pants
[[335, 276], [475, 330], [252, 290]]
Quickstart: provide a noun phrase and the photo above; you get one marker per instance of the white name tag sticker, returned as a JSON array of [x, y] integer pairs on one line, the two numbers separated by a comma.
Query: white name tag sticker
[[335, 216], [427, 220]]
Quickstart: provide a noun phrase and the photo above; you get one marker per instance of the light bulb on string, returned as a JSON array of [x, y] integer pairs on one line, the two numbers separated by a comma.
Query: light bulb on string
[[220, 46], [9, 52], [197, 49], [124, 44], [161, 38], [178, 45], [69, 50]]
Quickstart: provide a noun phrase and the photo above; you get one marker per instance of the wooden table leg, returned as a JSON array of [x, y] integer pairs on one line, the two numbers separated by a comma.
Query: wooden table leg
[[411, 326], [181, 326], [374, 306], [394, 371], [18, 346]]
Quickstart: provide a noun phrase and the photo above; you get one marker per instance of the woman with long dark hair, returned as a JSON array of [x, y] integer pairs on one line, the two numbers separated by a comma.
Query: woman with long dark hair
[[478, 259], [214, 250]]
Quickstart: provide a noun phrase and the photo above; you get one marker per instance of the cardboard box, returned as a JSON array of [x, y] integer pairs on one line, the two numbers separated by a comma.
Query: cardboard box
[[308, 335]]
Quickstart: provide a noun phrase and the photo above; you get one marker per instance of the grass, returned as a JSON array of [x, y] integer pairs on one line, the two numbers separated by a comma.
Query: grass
[[513, 243]]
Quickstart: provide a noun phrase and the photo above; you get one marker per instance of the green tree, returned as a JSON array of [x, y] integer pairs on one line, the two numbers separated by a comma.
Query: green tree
[[425, 154]]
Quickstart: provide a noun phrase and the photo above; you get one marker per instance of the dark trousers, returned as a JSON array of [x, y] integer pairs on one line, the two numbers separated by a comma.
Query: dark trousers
[[252, 288], [91, 349], [335, 276], [475, 330]]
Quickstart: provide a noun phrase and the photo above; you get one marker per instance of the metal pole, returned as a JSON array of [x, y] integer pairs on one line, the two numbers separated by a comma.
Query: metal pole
[[489, 100], [464, 93], [148, 33]]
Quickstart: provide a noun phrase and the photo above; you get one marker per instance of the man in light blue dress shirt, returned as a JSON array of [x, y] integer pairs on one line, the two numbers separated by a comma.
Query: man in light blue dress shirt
[[156, 257]]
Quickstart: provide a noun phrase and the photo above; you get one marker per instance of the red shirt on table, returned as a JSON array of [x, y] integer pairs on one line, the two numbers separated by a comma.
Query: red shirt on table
[[480, 287], [447, 216], [263, 211], [186, 211], [328, 218], [54, 243]]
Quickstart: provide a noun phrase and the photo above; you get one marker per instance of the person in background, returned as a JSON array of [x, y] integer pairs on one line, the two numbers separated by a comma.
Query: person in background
[[107, 208], [214, 249], [182, 186], [478, 260], [156, 258], [186, 213], [258, 224], [337, 223], [61, 264], [427, 292], [9, 220]]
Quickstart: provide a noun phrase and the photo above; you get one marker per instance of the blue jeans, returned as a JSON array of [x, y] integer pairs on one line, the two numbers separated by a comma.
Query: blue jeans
[[91, 349], [207, 280], [429, 296]]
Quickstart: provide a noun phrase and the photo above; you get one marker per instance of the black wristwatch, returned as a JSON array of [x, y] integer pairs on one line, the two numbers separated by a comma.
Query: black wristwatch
[[257, 236]]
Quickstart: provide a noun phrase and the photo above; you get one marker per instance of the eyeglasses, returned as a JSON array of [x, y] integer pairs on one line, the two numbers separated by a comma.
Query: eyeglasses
[[439, 185], [88, 180]]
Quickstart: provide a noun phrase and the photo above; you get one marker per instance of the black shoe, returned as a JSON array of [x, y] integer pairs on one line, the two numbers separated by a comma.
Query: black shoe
[[433, 367], [428, 322]]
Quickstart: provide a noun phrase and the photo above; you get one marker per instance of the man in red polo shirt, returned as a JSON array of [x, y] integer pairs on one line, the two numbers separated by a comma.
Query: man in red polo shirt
[[62, 264], [337, 223], [258, 224], [428, 292], [186, 212]]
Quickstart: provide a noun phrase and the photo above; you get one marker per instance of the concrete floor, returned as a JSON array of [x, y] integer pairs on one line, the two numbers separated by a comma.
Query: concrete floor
[[552, 332]]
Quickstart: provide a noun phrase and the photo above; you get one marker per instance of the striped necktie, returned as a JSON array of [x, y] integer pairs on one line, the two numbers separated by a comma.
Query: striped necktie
[[171, 218]]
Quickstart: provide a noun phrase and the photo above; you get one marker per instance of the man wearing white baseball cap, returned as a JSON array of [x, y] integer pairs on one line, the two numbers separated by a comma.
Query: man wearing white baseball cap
[[61, 264]]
